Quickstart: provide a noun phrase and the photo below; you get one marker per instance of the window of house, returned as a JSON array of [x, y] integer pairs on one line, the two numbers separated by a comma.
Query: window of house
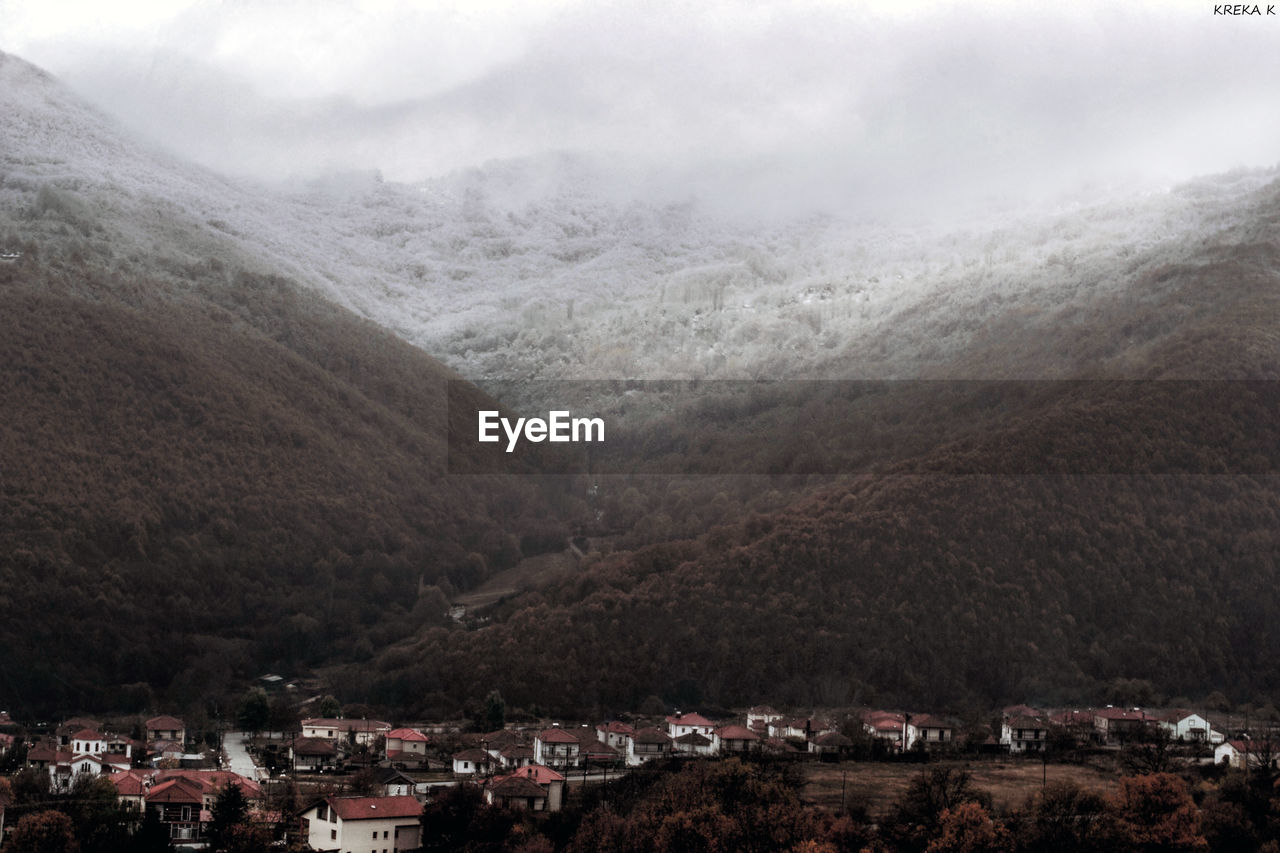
[[333, 835]]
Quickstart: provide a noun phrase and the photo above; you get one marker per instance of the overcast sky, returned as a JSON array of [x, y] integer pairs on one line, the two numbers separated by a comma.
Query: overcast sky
[[778, 102]]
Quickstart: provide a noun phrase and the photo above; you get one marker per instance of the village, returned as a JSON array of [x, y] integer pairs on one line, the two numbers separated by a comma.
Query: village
[[340, 783]]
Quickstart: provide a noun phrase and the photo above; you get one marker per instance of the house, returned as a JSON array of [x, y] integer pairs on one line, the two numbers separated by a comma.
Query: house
[[1189, 726], [1024, 734], [132, 787], [733, 739], [1022, 711], [363, 823], [211, 783], [393, 783], [888, 726], [179, 804], [515, 755], [556, 747], [593, 751], [929, 732], [759, 718], [122, 746], [692, 744], [166, 728], [406, 746], [359, 732], [535, 788], [648, 744], [312, 753], [798, 728], [1247, 754], [516, 792], [615, 734], [679, 725], [469, 762], [1119, 723], [830, 743]]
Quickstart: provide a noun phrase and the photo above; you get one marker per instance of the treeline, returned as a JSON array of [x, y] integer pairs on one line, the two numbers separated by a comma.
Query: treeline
[[205, 481], [736, 806]]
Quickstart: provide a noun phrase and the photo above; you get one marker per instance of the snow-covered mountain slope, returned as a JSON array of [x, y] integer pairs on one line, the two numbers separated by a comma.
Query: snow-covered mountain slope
[[565, 266]]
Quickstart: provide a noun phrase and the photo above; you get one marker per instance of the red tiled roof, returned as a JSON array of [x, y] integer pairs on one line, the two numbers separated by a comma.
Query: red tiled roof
[[928, 721], [313, 746], [407, 734], [515, 786], [87, 734], [479, 756], [1026, 723], [651, 735], [164, 722], [177, 790], [210, 780], [373, 808], [131, 783], [736, 732], [1022, 711], [875, 718], [1068, 718], [616, 727], [42, 752], [556, 736], [690, 719], [694, 739], [539, 773], [516, 750]]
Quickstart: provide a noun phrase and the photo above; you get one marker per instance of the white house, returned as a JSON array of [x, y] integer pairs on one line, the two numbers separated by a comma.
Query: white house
[[759, 718], [614, 734], [648, 745], [535, 787], [469, 762], [556, 748], [1190, 726], [406, 746], [363, 732], [1250, 753], [166, 728], [1024, 734], [364, 823], [888, 726], [930, 731], [733, 738], [680, 725]]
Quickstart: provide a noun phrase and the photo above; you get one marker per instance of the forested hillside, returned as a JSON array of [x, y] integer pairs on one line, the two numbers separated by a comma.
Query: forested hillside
[[943, 589]]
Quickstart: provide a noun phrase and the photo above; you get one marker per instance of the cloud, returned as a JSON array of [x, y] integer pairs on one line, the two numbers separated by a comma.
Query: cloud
[[760, 104]]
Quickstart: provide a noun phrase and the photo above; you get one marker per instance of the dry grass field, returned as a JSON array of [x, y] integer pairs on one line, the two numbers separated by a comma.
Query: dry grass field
[[877, 785]]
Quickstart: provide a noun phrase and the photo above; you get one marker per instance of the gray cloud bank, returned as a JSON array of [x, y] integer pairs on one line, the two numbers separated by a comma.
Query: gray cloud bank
[[780, 106]]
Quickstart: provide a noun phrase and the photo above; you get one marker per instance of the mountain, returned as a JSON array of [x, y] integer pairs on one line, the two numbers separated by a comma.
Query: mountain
[[209, 469], [1085, 577], [223, 452]]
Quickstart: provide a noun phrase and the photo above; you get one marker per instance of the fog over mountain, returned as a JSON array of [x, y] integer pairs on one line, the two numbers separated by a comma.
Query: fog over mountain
[[873, 108]]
